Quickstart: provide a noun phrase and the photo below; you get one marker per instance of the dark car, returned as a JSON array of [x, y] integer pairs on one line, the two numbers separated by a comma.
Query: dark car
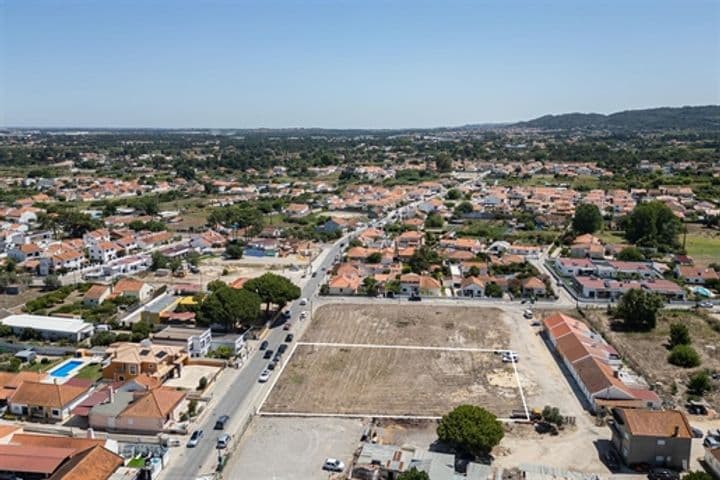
[[415, 298], [282, 348], [663, 474], [221, 421], [264, 345], [314, 274], [277, 356], [611, 459], [268, 354], [289, 338], [272, 365]]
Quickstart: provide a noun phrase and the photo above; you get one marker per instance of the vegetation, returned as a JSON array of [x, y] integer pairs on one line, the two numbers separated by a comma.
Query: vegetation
[[587, 219], [631, 254], [679, 335], [684, 356], [415, 474], [470, 429], [638, 309], [654, 225], [699, 384], [229, 307], [273, 289]]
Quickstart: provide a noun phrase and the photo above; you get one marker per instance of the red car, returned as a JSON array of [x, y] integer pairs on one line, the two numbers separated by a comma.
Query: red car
[[287, 326]]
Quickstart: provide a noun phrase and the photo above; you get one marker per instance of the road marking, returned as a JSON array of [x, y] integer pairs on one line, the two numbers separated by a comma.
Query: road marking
[[403, 347], [364, 415], [275, 378]]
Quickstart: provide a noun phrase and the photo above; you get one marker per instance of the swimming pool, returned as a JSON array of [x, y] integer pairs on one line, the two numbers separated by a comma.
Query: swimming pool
[[64, 369]]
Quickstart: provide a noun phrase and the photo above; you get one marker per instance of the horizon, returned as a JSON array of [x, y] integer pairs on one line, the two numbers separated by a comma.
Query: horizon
[[348, 65]]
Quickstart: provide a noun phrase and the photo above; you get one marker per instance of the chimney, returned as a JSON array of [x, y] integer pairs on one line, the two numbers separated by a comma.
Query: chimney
[[676, 432], [90, 433], [112, 394], [616, 373]]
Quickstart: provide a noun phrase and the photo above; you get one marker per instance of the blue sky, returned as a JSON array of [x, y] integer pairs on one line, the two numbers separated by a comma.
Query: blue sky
[[336, 63]]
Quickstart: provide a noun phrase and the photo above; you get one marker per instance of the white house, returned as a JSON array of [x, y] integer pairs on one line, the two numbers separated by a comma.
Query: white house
[[196, 341], [50, 327], [103, 252]]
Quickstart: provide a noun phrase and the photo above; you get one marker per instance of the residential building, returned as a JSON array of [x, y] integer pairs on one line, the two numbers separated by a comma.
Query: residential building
[[47, 401], [195, 341], [712, 460], [128, 360], [472, 287], [414, 284], [131, 288], [103, 252], [696, 275], [656, 438], [95, 295], [142, 411]]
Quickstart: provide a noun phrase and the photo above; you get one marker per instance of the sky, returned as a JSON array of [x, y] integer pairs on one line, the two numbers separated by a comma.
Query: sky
[[348, 64]]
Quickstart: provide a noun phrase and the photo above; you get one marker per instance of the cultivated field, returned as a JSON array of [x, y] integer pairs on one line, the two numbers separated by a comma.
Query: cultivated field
[[398, 360], [423, 325]]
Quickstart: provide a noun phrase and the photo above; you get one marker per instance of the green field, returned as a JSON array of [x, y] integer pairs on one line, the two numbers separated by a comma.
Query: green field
[[704, 248], [608, 236]]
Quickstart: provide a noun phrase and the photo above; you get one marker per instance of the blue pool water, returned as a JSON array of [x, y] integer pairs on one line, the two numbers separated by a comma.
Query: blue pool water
[[65, 369]]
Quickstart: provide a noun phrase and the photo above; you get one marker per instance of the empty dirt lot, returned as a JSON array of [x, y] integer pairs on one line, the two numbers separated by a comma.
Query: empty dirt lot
[[423, 325], [398, 381], [392, 382]]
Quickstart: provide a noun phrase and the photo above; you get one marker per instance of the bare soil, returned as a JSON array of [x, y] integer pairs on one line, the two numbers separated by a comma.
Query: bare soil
[[392, 382], [422, 325], [646, 352]]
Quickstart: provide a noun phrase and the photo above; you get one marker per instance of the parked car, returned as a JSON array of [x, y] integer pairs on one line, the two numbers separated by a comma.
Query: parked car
[[289, 338], [221, 421], [314, 274], [272, 365], [415, 298], [278, 356], [287, 326], [707, 304], [264, 376], [333, 465], [303, 301], [528, 314], [223, 441], [195, 438], [711, 442], [268, 354], [510, 357], [663, 474], [282, 347], [303, 315], [264, 345], [286, 314]]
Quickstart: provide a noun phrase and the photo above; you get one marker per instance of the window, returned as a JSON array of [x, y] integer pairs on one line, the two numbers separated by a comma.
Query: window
[[661, 442], [55, 412], [132, 369]]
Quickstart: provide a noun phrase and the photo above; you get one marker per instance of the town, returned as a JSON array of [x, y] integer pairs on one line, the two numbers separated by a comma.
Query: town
[[348, 305]]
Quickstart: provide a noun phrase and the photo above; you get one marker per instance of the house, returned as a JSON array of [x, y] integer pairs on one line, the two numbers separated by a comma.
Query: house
[[207, 240], [51, 328], [48, 401], [712, 460], [142, 411], [24, 252], [696, 275], [297, 210], [587, 246], [410, 238], [67, 259], [128, 360], [103, 252], [596, 366], [195, 341], [533, 287], [414, 284], [571, 267], [9, 382], [656, 438], [95, 295], [472, 287], [131, 288]]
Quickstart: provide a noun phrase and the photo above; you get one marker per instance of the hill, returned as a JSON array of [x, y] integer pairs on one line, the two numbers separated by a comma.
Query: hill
[[665, 118]]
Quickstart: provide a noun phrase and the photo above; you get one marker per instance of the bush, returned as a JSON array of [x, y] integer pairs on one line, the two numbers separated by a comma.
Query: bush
[[44, 361], [679, 335], [102, 339], [552, 415], [684, 356], [202, 384], [192, 408], [699, 384]]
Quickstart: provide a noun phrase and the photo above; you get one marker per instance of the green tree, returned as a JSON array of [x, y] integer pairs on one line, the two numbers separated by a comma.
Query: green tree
[[443, 163], [631, 254], [229, 306], [158, 261], [639, 308], [434, 220], [140, 330], [652, 224], [699, 384], [587, 219], [370, 285], [463, 209], [103, 339], [234, 250], [493, 290], [413, 474], [375, 257], [10, 265], [679, 335], [423, 257], [684, 356], [470, 429], [697, 475], [273, 289], [175, 264], [552, 415], [453, 194]]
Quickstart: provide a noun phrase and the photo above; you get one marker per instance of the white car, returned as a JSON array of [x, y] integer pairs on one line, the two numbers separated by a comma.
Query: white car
[[264, 376], [303, 301], [333, 465], [528, 314], [303, 315], [510, 357]]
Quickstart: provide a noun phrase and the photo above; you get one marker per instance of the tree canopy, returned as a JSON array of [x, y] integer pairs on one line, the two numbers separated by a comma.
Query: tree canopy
[[587, 219], [413, 474], [229, 306], [639, 308], [273, 289], [653, 224], [470, 429]]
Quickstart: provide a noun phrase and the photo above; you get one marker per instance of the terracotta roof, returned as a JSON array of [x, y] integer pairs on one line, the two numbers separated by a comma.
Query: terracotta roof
[[77, 444], [45, 394], [39, 460], [127, 285], [97, 463], [95, 292], [157, 403], [656, 423]]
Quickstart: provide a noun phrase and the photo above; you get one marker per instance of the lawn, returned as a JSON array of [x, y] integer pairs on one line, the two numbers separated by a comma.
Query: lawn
[[42, 367], [91, 371], [704, 247], [137, 462], [608, 236]]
